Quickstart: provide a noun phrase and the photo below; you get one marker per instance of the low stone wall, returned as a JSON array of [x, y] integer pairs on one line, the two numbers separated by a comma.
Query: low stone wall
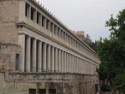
[[77, 84]]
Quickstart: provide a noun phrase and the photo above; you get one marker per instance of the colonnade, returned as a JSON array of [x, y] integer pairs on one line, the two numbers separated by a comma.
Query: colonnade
[[39, 56]]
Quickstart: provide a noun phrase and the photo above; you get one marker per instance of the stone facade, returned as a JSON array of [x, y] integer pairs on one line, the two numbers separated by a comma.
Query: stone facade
[[40, 55], [81, 36]]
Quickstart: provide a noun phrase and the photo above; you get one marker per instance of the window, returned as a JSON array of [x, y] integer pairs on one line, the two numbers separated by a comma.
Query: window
[[42, 91], [43, 21], [58, 32], [17, 61], [96, 87], [47, 24], [64, 36], [38, 17], [27, 9], [51, 27], [54, 29], [33, 14], [52, 91], [32, 91]]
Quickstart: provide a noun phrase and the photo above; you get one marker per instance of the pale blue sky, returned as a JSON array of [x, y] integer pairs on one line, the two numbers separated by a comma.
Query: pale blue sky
[[86, 15]]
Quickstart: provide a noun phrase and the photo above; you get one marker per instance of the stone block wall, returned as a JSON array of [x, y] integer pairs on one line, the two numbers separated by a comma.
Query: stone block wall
[[9, 15], [8, 56], [77, 85], [9, 10]]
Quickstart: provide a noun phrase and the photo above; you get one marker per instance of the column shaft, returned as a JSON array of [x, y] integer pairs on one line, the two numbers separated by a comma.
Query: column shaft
[[49, 55], [40, 56], [71, 64], [62, 61], [28, 53], [44, 57], [69, 67], [53, 59], [56, 65], [34, 55], [68, 64], [65, 60], [60, 66], [76, 64]]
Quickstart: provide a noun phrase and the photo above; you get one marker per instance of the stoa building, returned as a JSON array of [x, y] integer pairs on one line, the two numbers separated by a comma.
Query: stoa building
[[40, 55]]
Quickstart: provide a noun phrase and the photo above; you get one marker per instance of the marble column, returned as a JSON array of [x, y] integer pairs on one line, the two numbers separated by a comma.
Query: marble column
[[49, 55], [28, 53], [60, 65], [75, 64], [66, 62], [34, 55], [56, 64], [53, 59], [71, 63], [39, 56], [79, 65], [69, 66], [62, 60], [44, 57]]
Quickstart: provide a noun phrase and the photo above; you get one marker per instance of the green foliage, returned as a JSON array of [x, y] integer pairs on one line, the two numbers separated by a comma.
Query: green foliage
[[105, 88], [119, 82], [112, 54], [94, 45]]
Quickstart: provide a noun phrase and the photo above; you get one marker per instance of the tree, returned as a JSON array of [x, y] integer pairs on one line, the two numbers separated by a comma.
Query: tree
[[112, 55]]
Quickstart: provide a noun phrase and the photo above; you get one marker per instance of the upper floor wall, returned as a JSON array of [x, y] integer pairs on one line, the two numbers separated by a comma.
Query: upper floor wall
[[9, 11], [9, 15]]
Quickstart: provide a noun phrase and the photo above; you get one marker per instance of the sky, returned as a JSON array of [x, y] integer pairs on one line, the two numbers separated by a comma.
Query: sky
[[85, 15]]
